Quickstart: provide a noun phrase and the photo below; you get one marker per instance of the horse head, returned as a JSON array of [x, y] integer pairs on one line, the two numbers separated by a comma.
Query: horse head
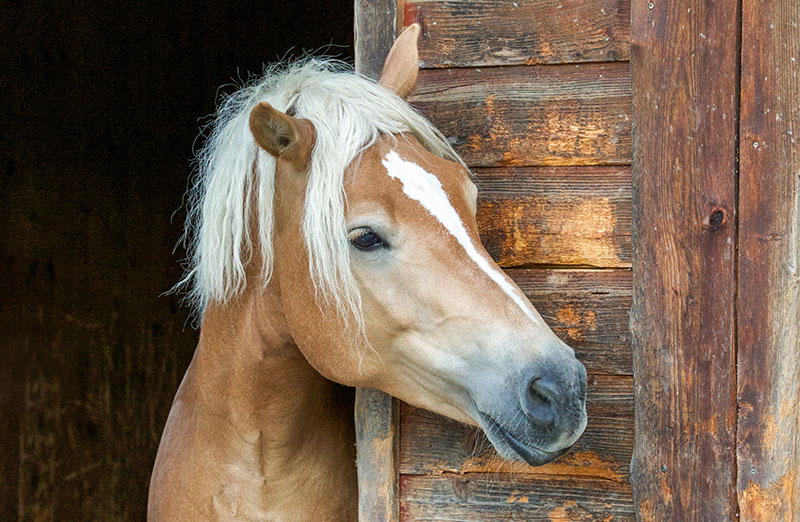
[[385, 283]]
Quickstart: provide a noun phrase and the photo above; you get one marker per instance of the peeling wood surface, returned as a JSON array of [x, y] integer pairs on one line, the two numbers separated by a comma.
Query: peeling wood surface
[[505, 496], [494, 32], [512, 118], [550, 148], [768, 437], [588, 309], [684, 64], [559, 216], [532, 115]]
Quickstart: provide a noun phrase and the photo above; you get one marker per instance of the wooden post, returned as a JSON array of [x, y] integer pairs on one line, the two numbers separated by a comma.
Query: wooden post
[[376, 413], [684, 70], [768, 436], [376, 418], [376, 27]]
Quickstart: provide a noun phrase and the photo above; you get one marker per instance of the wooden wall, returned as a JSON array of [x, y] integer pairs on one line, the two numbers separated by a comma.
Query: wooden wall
[[535, 96], [685, 109], [716, 322], [100, 109], [538, 98], [768, 312]]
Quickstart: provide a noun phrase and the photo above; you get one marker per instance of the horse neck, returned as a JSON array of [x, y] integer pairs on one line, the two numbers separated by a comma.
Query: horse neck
[[251, 374]]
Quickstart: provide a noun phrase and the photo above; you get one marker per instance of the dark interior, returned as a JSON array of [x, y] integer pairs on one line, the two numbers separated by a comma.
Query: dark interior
[[101, 110]]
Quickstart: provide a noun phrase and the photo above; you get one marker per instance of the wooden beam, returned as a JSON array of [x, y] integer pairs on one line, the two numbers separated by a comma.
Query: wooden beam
[[376, 416], [768, 436], [483, 33], [555, 216], [684, 69], [376, 413], [551, 115], [482, 497]]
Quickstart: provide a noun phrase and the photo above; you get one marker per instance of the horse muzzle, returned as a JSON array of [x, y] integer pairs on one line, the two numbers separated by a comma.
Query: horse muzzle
[[547, 414]]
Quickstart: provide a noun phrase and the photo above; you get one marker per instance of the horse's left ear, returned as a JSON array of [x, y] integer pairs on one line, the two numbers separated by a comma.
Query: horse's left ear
[[402, 65], [280, 134]]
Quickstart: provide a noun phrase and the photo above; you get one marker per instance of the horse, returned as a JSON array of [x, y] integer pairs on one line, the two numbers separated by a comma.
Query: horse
[[334, 244]]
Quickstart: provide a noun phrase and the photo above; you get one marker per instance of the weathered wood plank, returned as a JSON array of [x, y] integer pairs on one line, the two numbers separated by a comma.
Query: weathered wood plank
[[491, 496], [684, 60], [376, 413], [556, 216], [375, 28], [376, 418], [768, 436], [496, 32], [587, 309], [432, 444], [539, 115]]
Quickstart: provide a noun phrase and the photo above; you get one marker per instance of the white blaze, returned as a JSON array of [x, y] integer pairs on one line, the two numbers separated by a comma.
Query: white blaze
[[424, 187]]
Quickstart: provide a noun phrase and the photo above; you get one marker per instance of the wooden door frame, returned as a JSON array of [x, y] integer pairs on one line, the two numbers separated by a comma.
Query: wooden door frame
[[376, 413], [685, 112]]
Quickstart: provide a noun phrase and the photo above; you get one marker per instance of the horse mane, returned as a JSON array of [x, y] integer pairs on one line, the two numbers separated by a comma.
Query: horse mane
[[349, 113]]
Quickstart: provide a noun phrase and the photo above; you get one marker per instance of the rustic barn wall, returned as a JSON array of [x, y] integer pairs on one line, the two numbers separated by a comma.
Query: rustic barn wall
[[768, 371], [528, 91], [685, 58], [100, 108], [535, 96], [716, 250]]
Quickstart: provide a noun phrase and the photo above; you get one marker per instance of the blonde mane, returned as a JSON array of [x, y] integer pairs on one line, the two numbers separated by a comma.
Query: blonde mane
[[349, 113]]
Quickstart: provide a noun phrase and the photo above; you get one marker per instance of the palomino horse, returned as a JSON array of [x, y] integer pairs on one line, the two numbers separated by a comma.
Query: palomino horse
[[335, 241]]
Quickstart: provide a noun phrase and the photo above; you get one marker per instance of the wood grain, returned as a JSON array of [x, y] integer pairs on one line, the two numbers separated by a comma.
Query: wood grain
[[432, 444], [556, 216], [375, 28], [496, 32], [531, 116], [684, 64], [768, 436], [484, 497], [376, 421], [528, 117], [587, 309]]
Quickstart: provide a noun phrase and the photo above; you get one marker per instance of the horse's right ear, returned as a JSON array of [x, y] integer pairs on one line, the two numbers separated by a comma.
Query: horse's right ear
[[402, 65], [280, 134]]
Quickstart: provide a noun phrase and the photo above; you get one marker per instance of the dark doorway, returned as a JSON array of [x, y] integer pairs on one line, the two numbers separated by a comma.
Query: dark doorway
[[101, 108]]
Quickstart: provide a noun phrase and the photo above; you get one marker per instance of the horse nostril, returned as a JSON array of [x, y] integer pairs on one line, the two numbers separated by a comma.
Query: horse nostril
[[542, 396], [544, 389]]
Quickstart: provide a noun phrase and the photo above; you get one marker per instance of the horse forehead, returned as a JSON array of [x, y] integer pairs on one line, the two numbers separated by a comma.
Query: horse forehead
[[371, 182]]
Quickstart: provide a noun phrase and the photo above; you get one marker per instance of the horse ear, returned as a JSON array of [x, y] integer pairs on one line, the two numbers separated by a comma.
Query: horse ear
[[402, 65], [280, 134]]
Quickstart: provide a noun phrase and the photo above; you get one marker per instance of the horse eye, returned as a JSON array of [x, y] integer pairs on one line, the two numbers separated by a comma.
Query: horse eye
[[366, 239]]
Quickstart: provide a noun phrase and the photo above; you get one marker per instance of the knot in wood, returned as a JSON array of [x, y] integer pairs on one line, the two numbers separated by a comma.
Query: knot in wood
[[716, 218]]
